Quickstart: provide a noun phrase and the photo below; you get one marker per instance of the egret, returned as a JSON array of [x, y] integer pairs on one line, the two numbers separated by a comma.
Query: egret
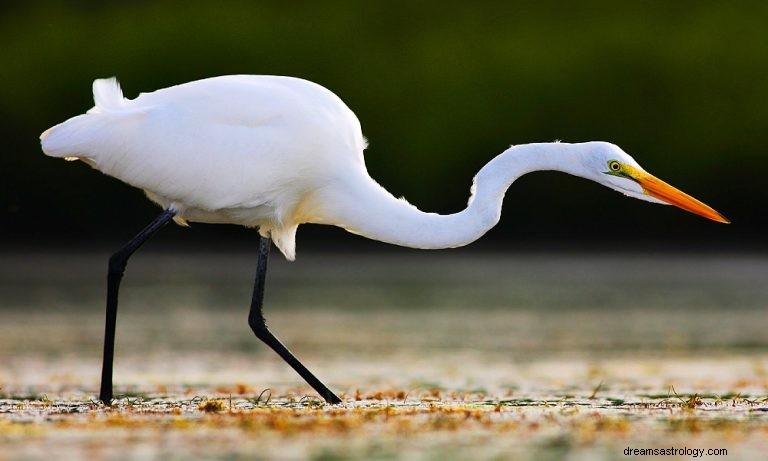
[[273, 152]]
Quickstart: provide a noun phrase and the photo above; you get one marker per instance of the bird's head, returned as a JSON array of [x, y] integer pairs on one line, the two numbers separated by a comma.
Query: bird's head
[[607, 164]]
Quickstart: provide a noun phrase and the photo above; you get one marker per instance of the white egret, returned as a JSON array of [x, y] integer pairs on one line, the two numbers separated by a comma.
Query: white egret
[[274, 152]]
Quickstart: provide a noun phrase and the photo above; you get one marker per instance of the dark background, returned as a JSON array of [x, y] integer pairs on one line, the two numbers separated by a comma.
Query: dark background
[[440, 88]]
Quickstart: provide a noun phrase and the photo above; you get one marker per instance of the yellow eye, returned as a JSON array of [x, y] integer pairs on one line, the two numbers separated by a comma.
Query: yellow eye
[[614, 165]]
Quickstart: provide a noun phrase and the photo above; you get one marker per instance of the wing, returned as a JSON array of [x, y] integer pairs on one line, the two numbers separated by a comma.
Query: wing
[[224, 142]]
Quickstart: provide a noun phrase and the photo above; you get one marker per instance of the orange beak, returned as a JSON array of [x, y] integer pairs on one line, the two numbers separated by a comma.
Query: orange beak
[[658, 189]]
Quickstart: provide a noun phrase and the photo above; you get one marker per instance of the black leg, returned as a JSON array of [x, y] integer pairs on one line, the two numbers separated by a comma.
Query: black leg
[[117, 263], [259, 326]]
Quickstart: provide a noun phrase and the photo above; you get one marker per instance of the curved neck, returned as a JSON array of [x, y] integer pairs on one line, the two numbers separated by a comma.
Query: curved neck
[[362, 206]]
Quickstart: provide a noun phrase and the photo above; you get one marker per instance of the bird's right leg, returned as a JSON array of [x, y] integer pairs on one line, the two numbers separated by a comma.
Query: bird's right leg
[[259, 326], [117, 263]]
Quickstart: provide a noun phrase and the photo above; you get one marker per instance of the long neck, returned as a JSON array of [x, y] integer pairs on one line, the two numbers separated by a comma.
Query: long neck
[[362, 206]]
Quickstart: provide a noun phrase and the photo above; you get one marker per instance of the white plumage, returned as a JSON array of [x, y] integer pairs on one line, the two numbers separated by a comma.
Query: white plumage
[[239, 149], [275, 152]]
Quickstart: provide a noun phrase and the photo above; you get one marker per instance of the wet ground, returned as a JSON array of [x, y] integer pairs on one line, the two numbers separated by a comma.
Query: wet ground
[[447, 355]]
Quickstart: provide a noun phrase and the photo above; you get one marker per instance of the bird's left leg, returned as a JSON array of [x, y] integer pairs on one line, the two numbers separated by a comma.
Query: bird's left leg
[[259, 326], [117, 263]]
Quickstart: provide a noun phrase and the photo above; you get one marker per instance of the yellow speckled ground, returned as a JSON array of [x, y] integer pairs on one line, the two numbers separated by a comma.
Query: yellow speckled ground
[[436, 357]]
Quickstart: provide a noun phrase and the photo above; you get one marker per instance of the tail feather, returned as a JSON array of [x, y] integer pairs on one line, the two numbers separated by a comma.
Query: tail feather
[[76, 136], [68, 139], [108, 96]]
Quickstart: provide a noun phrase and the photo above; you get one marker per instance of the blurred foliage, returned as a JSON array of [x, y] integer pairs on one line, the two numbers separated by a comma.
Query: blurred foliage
[[440, 88]]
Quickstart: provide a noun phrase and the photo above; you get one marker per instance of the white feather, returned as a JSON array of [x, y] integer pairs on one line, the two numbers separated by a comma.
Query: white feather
[[107, 95], [275, 152]]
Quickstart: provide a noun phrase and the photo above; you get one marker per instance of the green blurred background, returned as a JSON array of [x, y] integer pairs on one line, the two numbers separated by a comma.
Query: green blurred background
[[440, 88]]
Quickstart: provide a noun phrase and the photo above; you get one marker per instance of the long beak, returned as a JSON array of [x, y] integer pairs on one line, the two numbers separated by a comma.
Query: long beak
[[658, 189]]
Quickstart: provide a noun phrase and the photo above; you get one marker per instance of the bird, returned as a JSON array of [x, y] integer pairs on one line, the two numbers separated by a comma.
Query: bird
[[274, 152]]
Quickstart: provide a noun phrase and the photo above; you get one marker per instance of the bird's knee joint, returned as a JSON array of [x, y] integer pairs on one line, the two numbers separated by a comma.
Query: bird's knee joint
[[257, 324], [117, 263]]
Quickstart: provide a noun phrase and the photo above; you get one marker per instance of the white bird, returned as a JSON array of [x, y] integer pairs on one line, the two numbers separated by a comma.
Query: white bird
[[275, 152]]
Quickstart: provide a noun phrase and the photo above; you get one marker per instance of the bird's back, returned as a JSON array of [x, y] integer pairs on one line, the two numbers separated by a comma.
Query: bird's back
[[249, 150], [225, 142]]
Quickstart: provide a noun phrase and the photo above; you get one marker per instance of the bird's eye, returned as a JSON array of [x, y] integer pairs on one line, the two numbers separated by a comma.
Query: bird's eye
[[614, 165]]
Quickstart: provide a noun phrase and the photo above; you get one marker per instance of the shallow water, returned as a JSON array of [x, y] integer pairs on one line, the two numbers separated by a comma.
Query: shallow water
[[569, 357]]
